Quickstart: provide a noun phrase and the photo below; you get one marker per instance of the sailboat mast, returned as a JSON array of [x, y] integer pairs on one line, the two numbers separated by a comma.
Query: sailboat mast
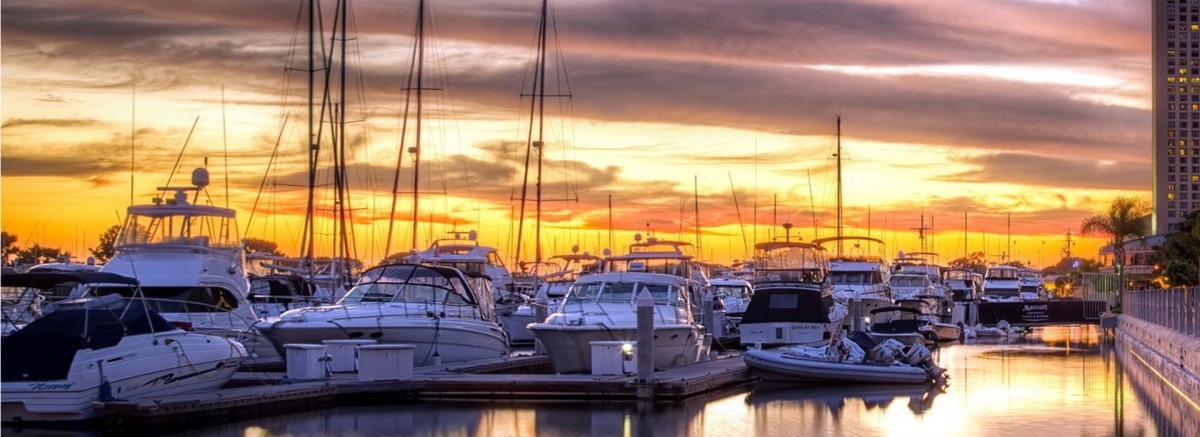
[[540, 145], [313, 147], [839, 184], [416, 149]]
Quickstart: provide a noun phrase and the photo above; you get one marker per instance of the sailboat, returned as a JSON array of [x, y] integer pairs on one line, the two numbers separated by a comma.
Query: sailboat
[[446, 311]]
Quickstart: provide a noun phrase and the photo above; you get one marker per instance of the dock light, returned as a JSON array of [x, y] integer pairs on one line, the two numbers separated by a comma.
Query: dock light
[[627, 353]]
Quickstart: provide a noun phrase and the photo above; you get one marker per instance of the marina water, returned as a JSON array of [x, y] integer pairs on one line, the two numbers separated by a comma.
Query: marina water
[[1052, 381]]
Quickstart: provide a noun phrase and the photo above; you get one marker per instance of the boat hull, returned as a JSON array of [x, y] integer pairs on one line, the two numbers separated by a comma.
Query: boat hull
[[136, 368], [450, 340], [570, 351], [945, 331], [774, 365]]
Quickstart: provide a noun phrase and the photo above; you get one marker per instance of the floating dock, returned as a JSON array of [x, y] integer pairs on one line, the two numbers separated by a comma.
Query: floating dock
[[255, 394]]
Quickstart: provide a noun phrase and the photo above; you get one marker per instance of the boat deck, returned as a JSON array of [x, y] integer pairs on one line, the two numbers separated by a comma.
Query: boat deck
[[254, 394]]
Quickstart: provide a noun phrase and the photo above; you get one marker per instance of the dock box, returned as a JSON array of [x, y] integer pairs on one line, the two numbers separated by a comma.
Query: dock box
[[305, 361], [344, 354], [614, 357], [385, 362]]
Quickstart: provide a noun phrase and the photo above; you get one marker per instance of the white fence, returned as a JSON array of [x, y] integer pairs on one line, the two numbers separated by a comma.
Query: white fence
[[1174, 308]]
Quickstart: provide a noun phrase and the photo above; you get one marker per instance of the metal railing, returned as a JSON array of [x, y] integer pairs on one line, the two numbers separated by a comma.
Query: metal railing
[[1174, 308]]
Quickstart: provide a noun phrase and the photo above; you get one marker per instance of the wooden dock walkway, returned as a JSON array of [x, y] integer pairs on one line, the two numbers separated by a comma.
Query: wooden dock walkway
[[254, 394]]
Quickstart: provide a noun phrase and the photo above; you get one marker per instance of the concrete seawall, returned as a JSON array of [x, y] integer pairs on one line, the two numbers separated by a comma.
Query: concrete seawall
[[1174, 355]]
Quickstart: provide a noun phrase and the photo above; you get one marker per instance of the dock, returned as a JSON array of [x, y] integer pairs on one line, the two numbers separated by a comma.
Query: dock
[[256, 394]]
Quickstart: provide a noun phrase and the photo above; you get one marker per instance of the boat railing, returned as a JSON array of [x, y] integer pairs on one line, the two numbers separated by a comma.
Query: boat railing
[[407, 309]]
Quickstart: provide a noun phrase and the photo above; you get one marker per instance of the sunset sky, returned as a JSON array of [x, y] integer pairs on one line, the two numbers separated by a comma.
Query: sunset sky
[[1037, 110]]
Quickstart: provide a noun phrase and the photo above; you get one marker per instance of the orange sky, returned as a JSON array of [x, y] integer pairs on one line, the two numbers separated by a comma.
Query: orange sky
[[1038, 111]]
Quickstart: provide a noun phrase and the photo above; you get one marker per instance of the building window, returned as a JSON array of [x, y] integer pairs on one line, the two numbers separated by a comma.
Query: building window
[[1171, 169], [1171, 214]]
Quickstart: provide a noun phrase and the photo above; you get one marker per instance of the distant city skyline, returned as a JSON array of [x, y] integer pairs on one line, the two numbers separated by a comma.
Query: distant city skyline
[[1038, 112]]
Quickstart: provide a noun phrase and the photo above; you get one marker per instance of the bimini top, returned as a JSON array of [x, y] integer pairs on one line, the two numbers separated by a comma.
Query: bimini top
[[428, 283], [47, 279]]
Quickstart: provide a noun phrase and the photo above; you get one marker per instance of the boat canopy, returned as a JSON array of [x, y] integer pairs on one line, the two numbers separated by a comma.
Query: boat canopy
[[783, 305], [44, 349], [417, 283], [48, 279]]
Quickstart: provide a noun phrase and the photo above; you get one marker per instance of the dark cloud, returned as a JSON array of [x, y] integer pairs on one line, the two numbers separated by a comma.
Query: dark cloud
[[1028, 169], [52, 122]]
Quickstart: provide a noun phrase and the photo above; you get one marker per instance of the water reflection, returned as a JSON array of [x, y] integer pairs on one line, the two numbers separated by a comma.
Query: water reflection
[[1054, 380]]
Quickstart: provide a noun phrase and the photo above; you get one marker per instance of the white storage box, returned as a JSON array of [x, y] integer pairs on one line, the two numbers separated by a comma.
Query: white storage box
[[344, 354], [305, 361], [614, 357], [385, 362]]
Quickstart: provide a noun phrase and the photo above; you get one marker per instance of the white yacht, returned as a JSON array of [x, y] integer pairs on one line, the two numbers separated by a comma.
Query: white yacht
[[554, 284], [793, 299], [191, 267], [485, 270], [1001, 284], [603, 307], [434, 308], [1031, 285], [731, 297], [61, 363], [858, 275], [965, 285], [909, 285]]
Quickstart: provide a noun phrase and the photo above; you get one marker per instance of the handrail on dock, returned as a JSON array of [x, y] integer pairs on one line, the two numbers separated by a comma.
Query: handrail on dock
[[1174, 308]]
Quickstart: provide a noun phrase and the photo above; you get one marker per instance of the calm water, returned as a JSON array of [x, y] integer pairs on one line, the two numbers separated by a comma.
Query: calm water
[[1054, 381]]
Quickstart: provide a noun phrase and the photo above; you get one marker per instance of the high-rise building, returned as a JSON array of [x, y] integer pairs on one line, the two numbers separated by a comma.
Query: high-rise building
[[1176, 89]]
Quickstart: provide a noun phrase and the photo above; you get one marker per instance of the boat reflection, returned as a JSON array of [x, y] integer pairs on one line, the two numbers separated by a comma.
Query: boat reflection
[[918, 398]]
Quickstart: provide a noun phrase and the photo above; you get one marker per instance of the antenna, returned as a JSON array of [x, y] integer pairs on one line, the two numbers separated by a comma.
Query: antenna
[[132, 140]]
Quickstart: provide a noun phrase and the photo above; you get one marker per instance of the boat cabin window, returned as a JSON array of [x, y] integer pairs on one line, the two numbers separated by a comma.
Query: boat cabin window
[[908, 281], [178, 299], [856, 278], [465, 267], [621, 292], [674, 267], [731, 290], [402, 292], [781, 301], [177, 229], [809, 276], [1002, 274], [408, 285]]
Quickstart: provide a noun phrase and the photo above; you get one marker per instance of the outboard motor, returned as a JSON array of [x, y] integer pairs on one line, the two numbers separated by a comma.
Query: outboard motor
[[919, 356]]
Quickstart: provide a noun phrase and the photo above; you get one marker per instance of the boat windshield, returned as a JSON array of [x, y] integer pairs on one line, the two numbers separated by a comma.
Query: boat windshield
[[731, 290], [908, 281], [666, 266], [1002, 274], [856, 278], [624, 292], [188, 225], [408, 284], [960, 275]]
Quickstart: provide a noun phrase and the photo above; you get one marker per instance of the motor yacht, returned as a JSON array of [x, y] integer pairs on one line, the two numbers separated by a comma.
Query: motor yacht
[[434, 308]]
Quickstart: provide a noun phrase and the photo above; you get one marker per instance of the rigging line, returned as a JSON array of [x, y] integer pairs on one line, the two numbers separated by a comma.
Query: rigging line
[[742, 226], [408, 89], [225, 143], [181, 150]]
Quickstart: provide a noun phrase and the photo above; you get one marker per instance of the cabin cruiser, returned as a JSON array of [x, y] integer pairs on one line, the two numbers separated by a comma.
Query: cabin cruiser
[[434, 308], [325, 280], [487, 273], [731, 297], [793, 298], [191, 267], [1001, 284], [553, 285], [904, 324], [105, 349], [909, 285], [935, 310], [1031, 285], [603, 307], [919, 262], [965, 285], [858, 276]]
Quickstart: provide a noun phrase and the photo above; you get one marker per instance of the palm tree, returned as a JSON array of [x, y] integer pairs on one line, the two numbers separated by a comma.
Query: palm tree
[[1122, 221]]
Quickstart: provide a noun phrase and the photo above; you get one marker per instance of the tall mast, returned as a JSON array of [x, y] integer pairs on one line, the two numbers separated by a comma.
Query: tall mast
[[416, 148], [313, 143], [539, 146], [839, 184]]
